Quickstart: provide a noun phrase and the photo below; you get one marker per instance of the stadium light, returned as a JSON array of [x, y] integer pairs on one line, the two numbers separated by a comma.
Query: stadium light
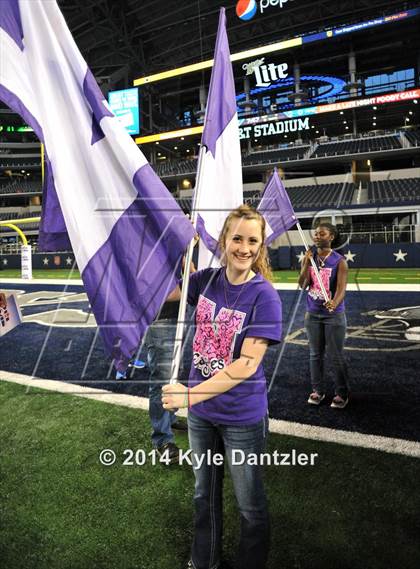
[[169, 134], [278, 46]]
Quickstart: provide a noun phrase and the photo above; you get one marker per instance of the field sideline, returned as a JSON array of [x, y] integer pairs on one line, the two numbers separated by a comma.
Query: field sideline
[[356, 276]]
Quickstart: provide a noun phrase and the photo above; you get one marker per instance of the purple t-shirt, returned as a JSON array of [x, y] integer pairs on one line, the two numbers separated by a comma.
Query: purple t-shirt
[[315, 299], [225, 315]]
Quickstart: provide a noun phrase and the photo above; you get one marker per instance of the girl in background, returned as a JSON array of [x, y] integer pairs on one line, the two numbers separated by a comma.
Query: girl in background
[[325, 322]]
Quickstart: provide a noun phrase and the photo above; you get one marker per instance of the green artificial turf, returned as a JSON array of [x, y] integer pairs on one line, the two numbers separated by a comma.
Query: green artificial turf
[[42, 274], [61, 509], [363, 276]]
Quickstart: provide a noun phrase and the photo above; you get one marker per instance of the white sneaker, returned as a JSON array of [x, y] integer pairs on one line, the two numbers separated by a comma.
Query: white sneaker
[[315, 398], [338, 402]]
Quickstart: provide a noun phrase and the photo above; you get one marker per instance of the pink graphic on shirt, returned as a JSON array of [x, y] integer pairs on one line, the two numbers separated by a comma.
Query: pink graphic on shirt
[[4, 317], [214, 339], [315, 291]]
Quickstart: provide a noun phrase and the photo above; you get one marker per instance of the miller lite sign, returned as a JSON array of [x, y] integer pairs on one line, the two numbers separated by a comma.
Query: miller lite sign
[[265, 74]]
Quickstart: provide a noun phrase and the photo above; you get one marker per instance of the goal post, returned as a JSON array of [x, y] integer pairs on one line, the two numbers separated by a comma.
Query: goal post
[[25, 250]]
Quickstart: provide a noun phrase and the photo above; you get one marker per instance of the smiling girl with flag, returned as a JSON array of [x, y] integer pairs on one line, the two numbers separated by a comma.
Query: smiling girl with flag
[[237, 316]]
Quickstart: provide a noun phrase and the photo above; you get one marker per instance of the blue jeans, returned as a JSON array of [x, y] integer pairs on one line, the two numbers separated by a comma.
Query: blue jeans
[[249, 491], [160, 345], [326, 334]]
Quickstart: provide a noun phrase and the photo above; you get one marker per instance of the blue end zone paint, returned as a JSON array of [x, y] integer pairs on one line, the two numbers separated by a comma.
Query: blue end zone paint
[[383, 362]]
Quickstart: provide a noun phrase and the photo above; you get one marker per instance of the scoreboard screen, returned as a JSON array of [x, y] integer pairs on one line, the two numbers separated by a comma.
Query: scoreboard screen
[[125, 105]]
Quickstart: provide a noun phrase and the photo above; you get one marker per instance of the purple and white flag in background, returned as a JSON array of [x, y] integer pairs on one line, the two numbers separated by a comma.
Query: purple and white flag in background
[[127, 232], [276, 208], [220, 165]]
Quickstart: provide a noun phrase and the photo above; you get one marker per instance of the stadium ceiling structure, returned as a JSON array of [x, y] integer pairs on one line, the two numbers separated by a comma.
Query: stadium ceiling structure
[[131, 38]]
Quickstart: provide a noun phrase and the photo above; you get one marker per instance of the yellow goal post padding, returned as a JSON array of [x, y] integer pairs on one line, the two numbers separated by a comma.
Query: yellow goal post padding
[[13, 223]]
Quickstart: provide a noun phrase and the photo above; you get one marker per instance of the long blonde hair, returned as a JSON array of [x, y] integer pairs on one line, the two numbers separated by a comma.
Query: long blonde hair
[[262, 263]]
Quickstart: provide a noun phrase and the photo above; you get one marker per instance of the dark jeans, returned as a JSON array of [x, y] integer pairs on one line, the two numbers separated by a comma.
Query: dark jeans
[[160, 345], [326, 335], [249, 491]]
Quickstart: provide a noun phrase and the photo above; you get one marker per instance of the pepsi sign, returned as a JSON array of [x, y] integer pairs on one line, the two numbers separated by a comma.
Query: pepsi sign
[[246, 9]]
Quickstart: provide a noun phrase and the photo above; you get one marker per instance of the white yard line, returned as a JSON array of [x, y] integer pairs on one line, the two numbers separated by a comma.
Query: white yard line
[[323, 434], [348, 438], [77, 282], [365, 287]]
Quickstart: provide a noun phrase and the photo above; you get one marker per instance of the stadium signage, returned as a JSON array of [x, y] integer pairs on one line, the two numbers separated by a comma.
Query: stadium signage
[[266, 74], [341, 106], [292, 114], [370, 23], [24, 128], [125, 105], [246, 9], [264, 4], [272, 128], [335, 85], [377, 100], [272, 48]]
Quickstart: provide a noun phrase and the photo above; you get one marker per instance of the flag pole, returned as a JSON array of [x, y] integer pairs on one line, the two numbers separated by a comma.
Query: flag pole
[[315, 268], [42, 164], [221, 79], [177, 354]]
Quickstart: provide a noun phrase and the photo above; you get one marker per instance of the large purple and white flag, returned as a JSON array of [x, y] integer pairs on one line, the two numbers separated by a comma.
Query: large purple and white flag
[[276, 208], [127, 232], [220, 166]]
